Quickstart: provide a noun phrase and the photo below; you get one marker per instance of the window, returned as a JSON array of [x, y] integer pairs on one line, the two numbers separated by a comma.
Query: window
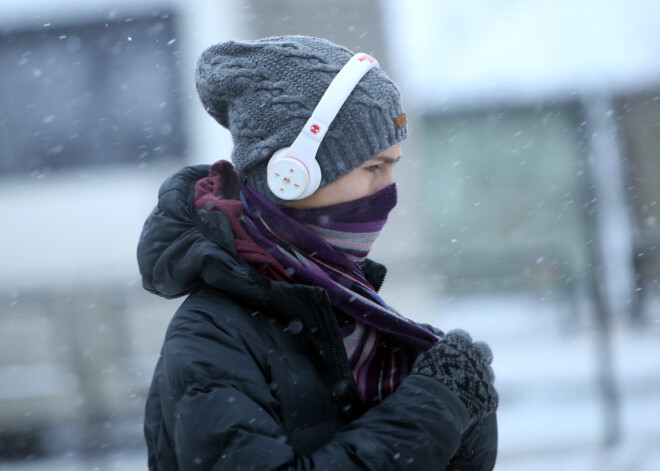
[[89, 95], [639, 118], [506, 196]]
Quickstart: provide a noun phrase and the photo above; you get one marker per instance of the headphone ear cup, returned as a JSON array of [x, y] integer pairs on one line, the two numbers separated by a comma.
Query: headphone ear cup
[[287, 177], [278, 155], [314, 178]]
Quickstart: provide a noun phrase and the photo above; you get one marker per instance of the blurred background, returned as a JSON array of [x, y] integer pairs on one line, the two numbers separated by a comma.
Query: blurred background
[[528, 207]]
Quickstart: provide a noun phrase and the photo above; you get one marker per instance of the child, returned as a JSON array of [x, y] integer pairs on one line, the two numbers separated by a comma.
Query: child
[[284, 356]]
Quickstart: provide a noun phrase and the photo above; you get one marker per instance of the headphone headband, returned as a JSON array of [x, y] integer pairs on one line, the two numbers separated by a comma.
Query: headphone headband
[[293, 172]]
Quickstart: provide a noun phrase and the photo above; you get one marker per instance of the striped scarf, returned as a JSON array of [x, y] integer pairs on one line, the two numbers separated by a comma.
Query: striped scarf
[[323, 247]]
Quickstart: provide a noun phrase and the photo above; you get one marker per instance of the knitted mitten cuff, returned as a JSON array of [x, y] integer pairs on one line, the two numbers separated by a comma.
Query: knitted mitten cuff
[[464, 367]]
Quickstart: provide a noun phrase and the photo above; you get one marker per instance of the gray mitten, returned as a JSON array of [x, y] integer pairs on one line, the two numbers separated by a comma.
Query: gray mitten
[[464, 367]]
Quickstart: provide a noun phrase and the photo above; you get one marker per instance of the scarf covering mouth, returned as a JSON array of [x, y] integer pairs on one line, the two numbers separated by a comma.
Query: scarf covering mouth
[[351, 228], [322, 247]]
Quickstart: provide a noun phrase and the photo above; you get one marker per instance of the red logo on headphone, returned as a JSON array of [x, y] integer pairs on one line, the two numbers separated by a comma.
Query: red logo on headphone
[[366, 57], [315, 129]]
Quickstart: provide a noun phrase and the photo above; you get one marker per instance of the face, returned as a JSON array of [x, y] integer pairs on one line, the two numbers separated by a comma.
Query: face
[[369, 178]]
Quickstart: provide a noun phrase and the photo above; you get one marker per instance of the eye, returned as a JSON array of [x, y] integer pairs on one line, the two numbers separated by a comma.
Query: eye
[[371, 168]]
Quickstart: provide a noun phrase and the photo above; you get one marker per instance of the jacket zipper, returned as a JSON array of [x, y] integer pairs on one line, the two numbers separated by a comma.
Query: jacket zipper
[[342, 373]]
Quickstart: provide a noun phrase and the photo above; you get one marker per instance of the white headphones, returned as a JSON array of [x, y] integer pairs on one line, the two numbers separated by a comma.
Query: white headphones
[[293, 172]]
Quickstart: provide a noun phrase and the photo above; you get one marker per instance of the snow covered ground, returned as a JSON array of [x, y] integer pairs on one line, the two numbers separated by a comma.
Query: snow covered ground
[[551, 412]]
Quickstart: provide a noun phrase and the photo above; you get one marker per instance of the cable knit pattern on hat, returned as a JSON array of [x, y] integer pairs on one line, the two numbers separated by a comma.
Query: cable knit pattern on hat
[[264, 91]]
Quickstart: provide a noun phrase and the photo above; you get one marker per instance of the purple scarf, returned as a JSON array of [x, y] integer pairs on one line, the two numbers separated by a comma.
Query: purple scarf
[[322, 247]]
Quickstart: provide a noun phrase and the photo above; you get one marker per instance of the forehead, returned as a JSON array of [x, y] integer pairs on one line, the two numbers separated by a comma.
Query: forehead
[[393, 151], [391, 154]]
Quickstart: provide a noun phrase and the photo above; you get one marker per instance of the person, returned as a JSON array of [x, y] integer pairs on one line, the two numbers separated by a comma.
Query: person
[[283, 356]]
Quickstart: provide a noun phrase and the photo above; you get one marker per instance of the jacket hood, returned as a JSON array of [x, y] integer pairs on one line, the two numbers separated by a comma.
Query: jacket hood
[[181, 248]]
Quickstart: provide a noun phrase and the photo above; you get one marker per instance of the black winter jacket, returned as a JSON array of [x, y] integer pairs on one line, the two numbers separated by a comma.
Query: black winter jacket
[[253, 374]]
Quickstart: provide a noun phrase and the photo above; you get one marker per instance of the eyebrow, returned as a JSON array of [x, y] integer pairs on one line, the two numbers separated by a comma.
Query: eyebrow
[[387, 160]]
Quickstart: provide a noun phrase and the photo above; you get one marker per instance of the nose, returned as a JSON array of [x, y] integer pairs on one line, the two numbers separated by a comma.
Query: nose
[[385, 179], [388, 176]]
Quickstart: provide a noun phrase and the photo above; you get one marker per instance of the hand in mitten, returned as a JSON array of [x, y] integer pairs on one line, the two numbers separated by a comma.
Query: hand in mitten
[[464, 367]]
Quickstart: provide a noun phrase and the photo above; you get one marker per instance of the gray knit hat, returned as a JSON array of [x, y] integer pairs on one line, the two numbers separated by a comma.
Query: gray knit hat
[[264, 91]]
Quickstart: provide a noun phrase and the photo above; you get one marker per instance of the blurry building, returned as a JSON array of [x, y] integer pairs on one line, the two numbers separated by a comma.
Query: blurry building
[[99, 107], [522, 109]]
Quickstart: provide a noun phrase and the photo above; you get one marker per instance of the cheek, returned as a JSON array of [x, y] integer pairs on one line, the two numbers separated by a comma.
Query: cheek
[[361, 183], [383, 179], [351, 189], [367, 184]]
